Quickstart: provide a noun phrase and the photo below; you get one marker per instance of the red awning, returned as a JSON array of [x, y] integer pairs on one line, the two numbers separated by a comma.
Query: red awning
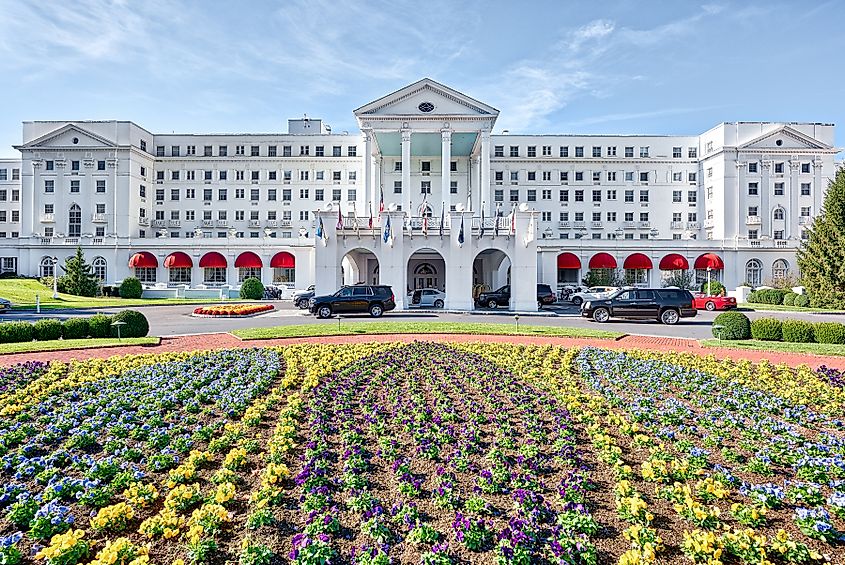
[[143, 259], [674, 262], [213, 259], [709, 260], [283, 260], [637, 261], [248, 260], [178, 259], [568, 261], [602, 261]]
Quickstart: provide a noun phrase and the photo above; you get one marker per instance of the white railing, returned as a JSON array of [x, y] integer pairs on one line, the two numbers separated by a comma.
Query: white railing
[[804, 220], [563, 224], [158, 223], [677, 225], [693, 225], [208, 223], [143, 221], [753, 220], [272, 223], [222, 223], [175, 223], [596, 225], [644, 225], [98, 218], [255, 223], [48, 218], [629, 225]]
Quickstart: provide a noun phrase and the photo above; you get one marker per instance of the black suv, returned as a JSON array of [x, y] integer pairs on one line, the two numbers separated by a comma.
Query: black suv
[[502, 296], [667, 305], [375, 299]]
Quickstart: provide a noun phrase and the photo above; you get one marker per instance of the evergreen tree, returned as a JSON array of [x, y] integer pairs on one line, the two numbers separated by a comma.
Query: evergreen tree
[[821, 258], [79, 277]]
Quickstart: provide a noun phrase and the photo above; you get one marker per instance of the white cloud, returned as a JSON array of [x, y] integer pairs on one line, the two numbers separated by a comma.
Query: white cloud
[[596, 29]]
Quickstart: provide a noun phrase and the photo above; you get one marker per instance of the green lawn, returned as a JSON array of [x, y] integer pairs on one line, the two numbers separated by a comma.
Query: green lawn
[[60, 344], [780, 308], [815, 348], [354, 328], [22, 294]]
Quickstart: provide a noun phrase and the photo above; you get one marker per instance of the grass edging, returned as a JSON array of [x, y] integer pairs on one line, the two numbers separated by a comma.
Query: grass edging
[[760, 307], [68, 344], [780, 346], [376, 328]]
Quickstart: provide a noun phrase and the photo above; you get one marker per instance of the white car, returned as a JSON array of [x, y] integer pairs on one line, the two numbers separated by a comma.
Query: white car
[[428, 297], [591, 293]]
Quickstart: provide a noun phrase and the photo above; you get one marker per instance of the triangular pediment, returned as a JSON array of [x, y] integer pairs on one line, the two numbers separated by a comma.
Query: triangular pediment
[[426, 98], [788, 137], [69, 136]]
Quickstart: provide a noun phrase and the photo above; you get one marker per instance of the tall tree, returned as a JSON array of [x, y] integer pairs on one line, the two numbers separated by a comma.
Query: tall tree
[[79, 276], [821, 258]]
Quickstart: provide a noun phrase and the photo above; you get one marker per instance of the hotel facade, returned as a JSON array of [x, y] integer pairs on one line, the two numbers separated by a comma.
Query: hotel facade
[[424, 196]]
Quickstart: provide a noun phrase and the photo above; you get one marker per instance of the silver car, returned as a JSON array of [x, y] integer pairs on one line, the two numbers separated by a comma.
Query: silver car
[[428, 297], [5, 304]]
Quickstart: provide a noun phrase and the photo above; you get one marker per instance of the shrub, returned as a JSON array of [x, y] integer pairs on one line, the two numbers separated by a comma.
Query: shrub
[[797, 331], [136, 324], [75, 328], [766, 329], [715, 289], [767, 296], [802, 301], [252, 289], [47, 329], [15, 332], [736, 325], [789, 299], [829, 332], [99, 325], [131, 288]]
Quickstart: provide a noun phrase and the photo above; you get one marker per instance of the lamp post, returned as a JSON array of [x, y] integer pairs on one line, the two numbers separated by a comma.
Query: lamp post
[[55, 278], [709, 268]]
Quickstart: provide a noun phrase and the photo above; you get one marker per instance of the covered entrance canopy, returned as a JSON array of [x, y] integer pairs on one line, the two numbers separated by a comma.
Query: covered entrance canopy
[[177, 260], [603, 261], [144, 260], [709, 260], [674, 262]]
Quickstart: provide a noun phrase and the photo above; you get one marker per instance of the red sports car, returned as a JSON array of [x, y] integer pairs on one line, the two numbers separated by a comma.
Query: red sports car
[[704, 302]]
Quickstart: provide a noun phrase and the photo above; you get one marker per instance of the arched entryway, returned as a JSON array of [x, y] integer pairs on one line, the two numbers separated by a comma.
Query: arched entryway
[[426, 272], [360, 266], [491, 270]]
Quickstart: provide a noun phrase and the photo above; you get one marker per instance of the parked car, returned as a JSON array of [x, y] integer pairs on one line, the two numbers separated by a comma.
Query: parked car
[[705, 302], [502, 296], [5, 304], [578, 298], [423, 297], [301, 297], [667, 305], [375, 299]]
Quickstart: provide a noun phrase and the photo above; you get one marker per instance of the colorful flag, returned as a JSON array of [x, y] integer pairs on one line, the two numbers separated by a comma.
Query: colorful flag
[[481, 228], [381, 205], [530, 236], [442, 218], [512, 228], [370, 222], [386, 235], [321, 231], [461, 233], [339, 225], [496, 222]]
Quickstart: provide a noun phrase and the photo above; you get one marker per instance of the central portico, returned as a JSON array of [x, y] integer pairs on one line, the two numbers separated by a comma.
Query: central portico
[[427, 178]]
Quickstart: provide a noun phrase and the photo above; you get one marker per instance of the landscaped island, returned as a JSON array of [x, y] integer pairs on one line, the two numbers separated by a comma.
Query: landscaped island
[[420, 453]]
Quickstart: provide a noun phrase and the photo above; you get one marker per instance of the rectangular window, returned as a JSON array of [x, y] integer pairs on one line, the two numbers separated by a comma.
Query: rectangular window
[[222, 194], [49, 186], [805, 167], [611, 195], [692, 196], [611, 151], [499, 195], [532, 150], [805, 189], [287, 194], [643, 177], [303, 193], [596, 177], [514, 196], [425, 187], [692, 217], [74, 186], [752, 167], [222, 175], [532, 195], [564, 151], [159, 150], [254, 175], [547, 151], [778, 168], [805, 211], [514, 151], [239, 193], [677, 177], [564, 196], [752, 210], [579, 151], [643, 196], [532, 175], [319, 194], [778, 189], [304, 150], [579, 176], [596, 151], [453, 187], [206, 195], [778, 234], [676, 152], [397, 187], [564, 176], [191, 150], [174, 194], [223, 151], [629, 151], [499, 151], [753, 234], [174, 175], [190, 193], [207, 175], [319, 151], [547, 194], [611, 176], [692, 152], [254, 194], [159, 194], [597, 196], [101, 186], [753, 189], [336, 194], [514, 177], [676, 196], [629, 196], [643, 216], [579, 196], [206, 151], [629, 176], [691, 177], [425, 166], [352, 151], [286, 151], [74, 166]]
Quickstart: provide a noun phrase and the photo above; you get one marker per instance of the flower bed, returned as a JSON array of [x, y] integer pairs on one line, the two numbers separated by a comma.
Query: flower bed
[[420, 453], [232, 310]]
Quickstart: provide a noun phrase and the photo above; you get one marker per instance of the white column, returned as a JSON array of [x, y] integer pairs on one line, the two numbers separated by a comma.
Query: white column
[[794, 212], [446, 160], [738, 220], [817, 189], [406, 170], [369, 187], [765, 212], [475, 187], [485, 168]]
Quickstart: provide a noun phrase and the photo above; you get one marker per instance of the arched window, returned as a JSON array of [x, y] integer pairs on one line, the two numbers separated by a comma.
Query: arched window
[[99, 267], [754, 272], [425, 276], [74, 221], [778, 213], [780, 269], [46, 267]]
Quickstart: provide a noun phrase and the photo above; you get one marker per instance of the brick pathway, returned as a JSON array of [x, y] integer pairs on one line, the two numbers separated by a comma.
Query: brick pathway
[[225, 340]]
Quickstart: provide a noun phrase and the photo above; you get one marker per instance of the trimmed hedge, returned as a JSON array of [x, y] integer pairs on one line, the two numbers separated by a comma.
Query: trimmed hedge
[[767, 296], [736, 325], [829, 332], [716, 288], [75, 328], [767, 329], [802, 301], [797, 331], [789, 299], [47, 330], [15, 332], [131, 288], [252, 289], [99, 325], [136, 324]]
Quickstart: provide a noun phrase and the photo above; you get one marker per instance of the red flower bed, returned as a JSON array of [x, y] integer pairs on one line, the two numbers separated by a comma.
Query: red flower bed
[[233, 309]]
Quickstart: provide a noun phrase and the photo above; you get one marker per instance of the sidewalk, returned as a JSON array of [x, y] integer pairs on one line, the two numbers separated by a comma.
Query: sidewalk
[[225, 340]]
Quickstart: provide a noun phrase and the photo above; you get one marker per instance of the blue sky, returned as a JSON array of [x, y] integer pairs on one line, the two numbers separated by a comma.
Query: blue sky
[[549, 67]]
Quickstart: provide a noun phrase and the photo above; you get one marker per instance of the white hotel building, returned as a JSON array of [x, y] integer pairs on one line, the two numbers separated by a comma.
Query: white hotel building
[[194, 213]]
